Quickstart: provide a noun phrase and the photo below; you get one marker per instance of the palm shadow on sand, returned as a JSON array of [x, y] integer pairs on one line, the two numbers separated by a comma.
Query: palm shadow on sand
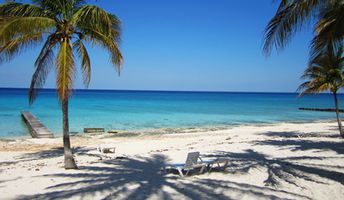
[[141, 177], [287, 169], [292, 141]]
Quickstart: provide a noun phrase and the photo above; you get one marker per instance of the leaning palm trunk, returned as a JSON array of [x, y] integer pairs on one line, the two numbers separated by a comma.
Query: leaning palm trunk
[[68, 154], [337, 113]]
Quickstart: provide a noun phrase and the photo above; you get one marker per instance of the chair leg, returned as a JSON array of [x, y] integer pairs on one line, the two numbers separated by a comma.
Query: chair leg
[[202, 169], [225, 165], [187, 172], [181, 172], [210, 166]]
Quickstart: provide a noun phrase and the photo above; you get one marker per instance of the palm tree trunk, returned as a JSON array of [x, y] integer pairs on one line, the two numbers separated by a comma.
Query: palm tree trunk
[[68, 154], [337, 113]]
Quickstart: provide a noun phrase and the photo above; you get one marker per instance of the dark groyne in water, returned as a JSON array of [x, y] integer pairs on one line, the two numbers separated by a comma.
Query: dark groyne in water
[[322, 109]]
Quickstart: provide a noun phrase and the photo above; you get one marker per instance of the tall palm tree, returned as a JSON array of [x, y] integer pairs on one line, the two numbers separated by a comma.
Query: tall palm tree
[[326, 72], [62, 26], [292, 15]]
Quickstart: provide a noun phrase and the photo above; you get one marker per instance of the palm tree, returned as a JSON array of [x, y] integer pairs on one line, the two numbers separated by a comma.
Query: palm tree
[[292, 15], [325, 72], [62, 26]]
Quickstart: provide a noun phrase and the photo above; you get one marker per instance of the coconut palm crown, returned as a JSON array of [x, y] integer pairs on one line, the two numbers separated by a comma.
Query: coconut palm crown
[[326, 73], [62, 27], [326, 16]]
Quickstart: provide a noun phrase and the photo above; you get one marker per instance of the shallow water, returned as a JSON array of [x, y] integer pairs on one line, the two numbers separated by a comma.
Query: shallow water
[[142, 110]]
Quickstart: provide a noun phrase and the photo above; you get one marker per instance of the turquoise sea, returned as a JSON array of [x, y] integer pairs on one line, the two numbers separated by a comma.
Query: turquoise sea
[[142, 110]]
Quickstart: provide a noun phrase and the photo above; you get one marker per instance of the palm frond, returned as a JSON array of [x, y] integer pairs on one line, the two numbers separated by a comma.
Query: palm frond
[[100, 28], [61, 9], [282, 4], [289, 18], [18, 26], [13, 39], [43, 64], [65, 69], [314, 86], [23, 10], [81, 50], [96, 18], [325, 72], [12, 47], [301, 89], [329, 29], [97, 38]]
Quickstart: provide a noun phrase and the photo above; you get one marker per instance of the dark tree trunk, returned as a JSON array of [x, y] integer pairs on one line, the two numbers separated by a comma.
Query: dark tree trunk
[[68, 154], [337, 113]]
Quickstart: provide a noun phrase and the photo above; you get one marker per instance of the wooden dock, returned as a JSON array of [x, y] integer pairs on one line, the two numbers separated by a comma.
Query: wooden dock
[[36, 127]]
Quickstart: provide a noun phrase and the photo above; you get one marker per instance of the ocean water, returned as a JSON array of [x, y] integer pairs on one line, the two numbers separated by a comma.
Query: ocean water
[[142, 110]]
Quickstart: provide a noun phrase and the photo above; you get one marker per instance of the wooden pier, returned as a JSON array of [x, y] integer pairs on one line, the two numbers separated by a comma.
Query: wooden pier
[[36, 127]]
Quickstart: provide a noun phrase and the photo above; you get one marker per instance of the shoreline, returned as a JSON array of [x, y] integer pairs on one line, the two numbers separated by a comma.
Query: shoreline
[[176, 130], [84, 139]]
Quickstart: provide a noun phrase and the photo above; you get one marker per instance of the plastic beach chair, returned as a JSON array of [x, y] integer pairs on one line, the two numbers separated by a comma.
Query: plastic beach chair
[[217, 164], [192, 163]]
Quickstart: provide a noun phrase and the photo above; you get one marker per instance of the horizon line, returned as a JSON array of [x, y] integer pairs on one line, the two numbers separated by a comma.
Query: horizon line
[[153, 90]]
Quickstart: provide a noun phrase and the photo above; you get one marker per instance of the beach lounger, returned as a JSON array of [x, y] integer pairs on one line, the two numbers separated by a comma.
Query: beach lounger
[[220, 164], [191, 164], [106, 152]]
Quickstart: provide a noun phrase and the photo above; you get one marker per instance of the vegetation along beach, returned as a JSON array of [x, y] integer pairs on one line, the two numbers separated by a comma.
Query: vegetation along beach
[[177, 99]]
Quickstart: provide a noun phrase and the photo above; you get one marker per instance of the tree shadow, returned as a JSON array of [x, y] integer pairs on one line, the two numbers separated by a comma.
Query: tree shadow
[[6, 163], [291, 134], [298, 144], [287, 169], [49, 153], [53, 153], [140, 178]]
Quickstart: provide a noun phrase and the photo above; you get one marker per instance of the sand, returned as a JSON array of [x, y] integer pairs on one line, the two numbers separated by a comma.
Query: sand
[[277, 161]]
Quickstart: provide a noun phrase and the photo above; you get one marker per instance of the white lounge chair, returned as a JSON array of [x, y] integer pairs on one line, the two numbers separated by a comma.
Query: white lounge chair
[[217, 164], [191, 163], [105, 152]]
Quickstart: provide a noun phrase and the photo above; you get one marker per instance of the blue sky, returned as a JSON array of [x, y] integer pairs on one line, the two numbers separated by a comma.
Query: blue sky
[[199, 45]]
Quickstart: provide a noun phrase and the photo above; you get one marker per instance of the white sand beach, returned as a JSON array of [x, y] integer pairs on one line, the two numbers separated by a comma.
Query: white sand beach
[[278, 161]]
